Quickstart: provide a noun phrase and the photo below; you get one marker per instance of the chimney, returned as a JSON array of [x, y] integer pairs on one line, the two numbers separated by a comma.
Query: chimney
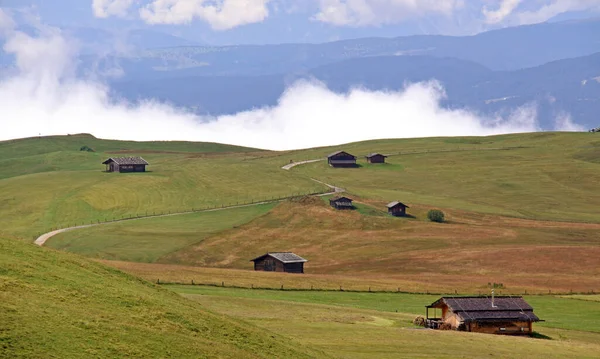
[[493, 305]]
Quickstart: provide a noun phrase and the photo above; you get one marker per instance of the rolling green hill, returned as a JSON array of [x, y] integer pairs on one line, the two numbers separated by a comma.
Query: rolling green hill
[[49, 182], [59, 305]]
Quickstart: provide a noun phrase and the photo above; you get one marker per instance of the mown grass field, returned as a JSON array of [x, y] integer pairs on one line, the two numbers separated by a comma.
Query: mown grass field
[[149, 240], [549, 176], [379, 325], [47, 183], [58, 305], [383, 252], [521, 210], [515, 204]]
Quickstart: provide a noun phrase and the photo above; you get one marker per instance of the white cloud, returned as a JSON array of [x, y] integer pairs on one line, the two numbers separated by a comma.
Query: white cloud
[[44, 97], [107, 8], [519, 12], [6, 22], [219, 14], [505, 9], [553, 8], [376, 12]]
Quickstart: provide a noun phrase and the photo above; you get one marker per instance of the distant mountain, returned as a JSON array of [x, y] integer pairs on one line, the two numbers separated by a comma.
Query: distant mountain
[[506, 49], [571, 85]]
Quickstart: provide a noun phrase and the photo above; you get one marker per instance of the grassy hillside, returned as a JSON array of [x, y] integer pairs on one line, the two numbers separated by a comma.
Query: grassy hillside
[[550, 176], [464, 254], [148, 240], [514, 205], [380, 324], [48, 182], [54, 304]]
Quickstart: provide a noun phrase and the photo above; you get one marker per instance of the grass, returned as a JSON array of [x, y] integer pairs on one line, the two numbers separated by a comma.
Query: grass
[[47, 183], [60, 305], [380, 324], [465, 254], [148, 240], [550, 176]]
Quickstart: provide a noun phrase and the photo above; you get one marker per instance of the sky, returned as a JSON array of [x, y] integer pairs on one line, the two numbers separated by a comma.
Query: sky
[[43, 95], [273, 21]]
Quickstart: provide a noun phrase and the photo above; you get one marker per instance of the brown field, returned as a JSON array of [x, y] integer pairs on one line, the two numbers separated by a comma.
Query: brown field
[[357, 251]]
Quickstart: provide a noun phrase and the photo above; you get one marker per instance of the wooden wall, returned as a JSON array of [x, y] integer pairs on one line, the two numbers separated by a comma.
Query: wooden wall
[[514, 328]]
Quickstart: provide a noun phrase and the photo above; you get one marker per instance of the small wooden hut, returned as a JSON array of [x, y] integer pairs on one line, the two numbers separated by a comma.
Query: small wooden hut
[[482, 314], [375, 158], [397, 209], [341, 159], [341, 203], [279, 262], [125, 164]]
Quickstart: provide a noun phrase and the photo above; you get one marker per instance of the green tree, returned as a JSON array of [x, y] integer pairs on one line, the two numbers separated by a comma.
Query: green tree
[[435, 215]]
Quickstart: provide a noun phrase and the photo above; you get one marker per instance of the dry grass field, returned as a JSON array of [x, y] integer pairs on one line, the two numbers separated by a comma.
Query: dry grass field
[[464, 254]]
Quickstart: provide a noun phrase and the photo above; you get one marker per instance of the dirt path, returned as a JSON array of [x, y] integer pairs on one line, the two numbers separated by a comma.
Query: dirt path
[[41, 240], [294, 164]]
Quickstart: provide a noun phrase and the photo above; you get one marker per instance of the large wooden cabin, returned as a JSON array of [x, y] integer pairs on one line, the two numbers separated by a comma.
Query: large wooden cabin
[[125, 164], [492, 315], [375, 158], [279, 262], [341, 159]]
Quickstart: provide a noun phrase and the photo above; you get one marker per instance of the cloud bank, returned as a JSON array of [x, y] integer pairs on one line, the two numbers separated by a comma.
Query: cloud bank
[[44, 97], [227, 14]]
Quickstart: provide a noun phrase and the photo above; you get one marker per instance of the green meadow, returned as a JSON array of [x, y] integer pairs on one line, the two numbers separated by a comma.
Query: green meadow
[[363, 325], [59, 305], [521, 211]]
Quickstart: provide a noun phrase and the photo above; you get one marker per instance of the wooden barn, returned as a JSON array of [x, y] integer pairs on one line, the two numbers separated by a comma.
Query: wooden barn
[[279, 262], [492, 315], [376, 158], [125, 164], [397, 209], [341, 159], [341, 203]]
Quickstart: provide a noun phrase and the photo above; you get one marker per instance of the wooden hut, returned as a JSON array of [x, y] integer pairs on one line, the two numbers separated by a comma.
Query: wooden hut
[[397, 209], [341, 203], [125, 164], [279, 262], [341, 159], [375, 158], [482, 314]]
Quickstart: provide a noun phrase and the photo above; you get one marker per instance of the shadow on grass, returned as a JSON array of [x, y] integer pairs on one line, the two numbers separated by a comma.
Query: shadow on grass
[[537, 335], [410, 216]]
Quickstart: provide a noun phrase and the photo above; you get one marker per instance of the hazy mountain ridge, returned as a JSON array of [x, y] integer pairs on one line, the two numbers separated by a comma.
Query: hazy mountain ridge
[[506, 49], [557, 87]]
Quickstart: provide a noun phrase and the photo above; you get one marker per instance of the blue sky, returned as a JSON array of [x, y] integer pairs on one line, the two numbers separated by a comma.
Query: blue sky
[[276, 21]]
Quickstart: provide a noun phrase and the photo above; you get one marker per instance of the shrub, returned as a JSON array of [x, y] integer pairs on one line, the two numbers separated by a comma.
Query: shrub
[[86, 148], [435, 215]]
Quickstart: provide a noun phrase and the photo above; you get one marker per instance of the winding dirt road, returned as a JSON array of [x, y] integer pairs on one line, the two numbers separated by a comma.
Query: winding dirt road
[[41, 240]]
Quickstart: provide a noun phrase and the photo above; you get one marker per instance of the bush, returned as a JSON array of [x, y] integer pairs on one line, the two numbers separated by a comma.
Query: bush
[[435, 215], [86, 148]]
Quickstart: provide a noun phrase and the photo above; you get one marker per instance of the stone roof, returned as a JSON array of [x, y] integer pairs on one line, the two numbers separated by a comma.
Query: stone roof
[[481, 309], [285, 257], [126, 161]]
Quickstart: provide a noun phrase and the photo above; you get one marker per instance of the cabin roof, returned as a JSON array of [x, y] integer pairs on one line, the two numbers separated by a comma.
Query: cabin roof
[[126, 161], [339, 153], [480, 308], [285, 257], [335, 199], [396, 203], [374, 154]]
